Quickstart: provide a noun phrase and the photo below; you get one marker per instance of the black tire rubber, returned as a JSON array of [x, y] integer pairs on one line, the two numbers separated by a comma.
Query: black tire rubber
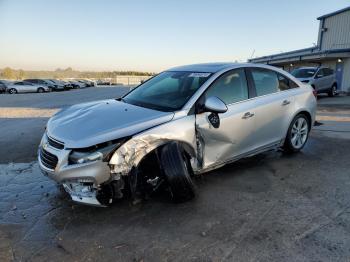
[[176, 170], [12, 91], [40, 90], [330, 92], [287, 146]]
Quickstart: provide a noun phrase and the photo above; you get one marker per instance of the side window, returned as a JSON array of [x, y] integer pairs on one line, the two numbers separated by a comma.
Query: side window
[[328, 71], [285, 83], [292, 84], [320, 73], [231, 87], [266, 81]]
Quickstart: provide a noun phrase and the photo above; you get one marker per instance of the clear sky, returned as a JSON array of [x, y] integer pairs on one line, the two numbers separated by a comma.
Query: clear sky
[[152, 35]]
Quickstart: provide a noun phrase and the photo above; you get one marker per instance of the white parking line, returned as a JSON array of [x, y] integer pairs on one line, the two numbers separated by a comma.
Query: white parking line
[[26, 112]]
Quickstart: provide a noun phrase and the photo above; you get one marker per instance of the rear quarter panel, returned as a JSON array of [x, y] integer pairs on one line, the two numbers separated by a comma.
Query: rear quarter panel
[[305, 101]]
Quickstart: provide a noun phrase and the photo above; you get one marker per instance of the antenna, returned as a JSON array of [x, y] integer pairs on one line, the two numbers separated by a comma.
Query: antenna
[[252, 54]]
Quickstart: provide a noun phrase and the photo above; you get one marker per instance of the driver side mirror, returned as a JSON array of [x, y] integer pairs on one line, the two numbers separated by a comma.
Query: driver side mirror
[[215, 105]]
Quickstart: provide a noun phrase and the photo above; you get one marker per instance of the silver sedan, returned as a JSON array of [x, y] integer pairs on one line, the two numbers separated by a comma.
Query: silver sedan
[[26, 87], [184, 121]]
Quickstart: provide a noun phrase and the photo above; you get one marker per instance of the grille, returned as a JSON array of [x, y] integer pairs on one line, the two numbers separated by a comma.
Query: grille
[[47, 159], [55, 143]]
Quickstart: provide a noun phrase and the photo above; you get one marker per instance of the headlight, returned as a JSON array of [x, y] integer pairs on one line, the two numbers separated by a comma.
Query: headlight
[[102, 152], [77, 157], [305, 81]]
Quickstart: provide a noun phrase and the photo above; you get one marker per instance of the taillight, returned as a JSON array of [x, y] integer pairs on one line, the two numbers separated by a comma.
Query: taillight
[[314, 92]]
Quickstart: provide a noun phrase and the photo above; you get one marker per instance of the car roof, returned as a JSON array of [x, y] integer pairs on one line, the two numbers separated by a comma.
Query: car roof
[[207, 67], [308, 67], [217, 67]]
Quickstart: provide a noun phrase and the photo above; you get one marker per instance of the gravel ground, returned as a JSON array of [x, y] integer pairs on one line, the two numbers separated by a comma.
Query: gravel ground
[[271, 207]]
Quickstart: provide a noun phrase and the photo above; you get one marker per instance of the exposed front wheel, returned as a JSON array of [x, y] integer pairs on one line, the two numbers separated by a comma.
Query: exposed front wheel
[[40, 90], [298, 134], [177, 172]]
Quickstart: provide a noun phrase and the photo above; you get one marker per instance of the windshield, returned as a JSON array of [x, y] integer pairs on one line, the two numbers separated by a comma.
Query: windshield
[[304, 72], [168, 91]]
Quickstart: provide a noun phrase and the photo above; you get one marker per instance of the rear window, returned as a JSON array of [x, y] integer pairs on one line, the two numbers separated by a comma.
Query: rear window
[[285, 83], [266, 81]]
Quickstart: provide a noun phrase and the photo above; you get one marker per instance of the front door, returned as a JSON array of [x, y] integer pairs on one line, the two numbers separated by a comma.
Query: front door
[[234, 134]]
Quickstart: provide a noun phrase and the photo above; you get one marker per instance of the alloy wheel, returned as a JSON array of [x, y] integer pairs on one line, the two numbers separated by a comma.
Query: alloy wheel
[[334, 91], [300, 131]]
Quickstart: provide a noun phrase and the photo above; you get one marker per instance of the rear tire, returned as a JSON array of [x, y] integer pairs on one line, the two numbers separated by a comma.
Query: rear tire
[[298, 134], [12, 91], [177, 173], [333, 91]]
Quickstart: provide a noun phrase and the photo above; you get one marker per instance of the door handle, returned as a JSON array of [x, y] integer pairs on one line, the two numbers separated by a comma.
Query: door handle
[[247, 115], [285, 102]]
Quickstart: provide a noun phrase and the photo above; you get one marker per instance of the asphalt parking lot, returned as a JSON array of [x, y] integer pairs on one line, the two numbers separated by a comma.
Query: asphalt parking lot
[[271, 207]]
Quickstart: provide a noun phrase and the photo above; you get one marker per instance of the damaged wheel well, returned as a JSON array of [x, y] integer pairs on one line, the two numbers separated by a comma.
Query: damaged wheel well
[[152, 158], [150, 173]]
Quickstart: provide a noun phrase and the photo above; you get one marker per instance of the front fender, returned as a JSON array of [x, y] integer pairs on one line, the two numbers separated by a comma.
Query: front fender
[[131, 153]]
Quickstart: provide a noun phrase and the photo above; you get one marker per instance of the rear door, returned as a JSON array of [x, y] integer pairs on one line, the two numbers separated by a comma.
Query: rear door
[[320, 82], [30, 87], [274, 106], [235, 134], [19, 86]]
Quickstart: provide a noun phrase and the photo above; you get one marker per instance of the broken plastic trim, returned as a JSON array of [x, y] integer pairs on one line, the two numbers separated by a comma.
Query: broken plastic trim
[[131, 153]]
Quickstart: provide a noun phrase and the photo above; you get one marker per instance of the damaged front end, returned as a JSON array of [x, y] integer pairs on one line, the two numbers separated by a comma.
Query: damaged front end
[[84, 173], [100, 174]]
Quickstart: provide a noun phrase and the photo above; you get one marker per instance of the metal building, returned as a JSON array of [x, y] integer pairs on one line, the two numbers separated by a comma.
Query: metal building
[[332, 50]]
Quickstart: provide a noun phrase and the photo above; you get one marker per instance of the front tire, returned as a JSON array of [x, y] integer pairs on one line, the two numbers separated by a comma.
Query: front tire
[[12, 91], [40, 90], [177, 173], [298, 134]]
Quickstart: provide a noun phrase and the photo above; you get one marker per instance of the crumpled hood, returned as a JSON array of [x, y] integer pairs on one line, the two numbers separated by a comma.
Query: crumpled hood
[[88, 124]]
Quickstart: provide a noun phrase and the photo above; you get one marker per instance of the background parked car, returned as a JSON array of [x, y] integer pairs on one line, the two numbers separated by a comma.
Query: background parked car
[[57, 86], [103, 82], [89, 82], [322, 79], [67, 85], [3, 85], [77, 84], [42, 82], [26, 87]]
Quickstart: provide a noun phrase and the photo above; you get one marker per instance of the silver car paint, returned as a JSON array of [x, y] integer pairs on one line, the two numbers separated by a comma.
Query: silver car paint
[[103, 121], [208, 147], [27, 88], [220, 145]]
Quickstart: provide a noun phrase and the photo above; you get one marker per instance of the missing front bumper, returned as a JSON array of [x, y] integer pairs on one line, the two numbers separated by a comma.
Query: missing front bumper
[[83, 194]]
